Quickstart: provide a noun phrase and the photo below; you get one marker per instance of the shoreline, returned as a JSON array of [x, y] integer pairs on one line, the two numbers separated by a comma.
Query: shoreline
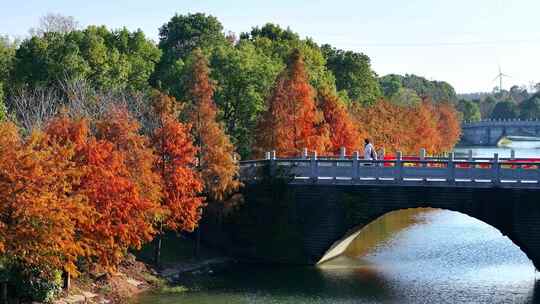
[[134, 278]]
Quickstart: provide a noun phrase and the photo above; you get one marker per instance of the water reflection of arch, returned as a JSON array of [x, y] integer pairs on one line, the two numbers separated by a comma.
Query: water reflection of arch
[[361, 241]]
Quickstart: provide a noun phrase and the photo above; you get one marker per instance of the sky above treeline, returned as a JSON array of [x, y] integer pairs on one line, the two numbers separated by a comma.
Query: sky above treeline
[[462, 41]]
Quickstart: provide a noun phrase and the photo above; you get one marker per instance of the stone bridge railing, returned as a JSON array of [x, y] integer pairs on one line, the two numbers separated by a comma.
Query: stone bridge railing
[[501, 122], [398, 170]]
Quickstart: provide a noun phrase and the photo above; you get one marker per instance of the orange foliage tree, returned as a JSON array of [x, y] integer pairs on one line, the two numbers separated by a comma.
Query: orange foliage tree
[[343, 132], [40, 212], [421, 129], [123, 217], [449, 126], [292, 121], [175, 163], [119, 128], [216, 155], [408, 129], [383, 123]]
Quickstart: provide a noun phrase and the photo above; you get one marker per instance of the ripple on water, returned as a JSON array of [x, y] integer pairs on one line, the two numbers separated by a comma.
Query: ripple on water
[[438, 257]]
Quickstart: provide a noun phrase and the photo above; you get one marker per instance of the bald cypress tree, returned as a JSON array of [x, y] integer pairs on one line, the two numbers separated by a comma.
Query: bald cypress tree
[[216, 154], [292, 121]]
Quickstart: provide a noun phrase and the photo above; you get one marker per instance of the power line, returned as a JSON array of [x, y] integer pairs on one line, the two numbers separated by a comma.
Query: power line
[[434, 44]]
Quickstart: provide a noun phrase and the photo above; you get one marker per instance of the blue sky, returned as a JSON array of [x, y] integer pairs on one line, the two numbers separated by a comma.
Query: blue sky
[[458, 41]]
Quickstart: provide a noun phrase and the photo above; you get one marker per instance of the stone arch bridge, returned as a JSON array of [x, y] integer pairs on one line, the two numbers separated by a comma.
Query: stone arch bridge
[[305, 210], [490, 132]]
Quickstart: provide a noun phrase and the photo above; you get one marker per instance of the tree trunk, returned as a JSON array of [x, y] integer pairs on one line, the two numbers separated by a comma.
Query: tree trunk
[[198, 242], [67, 280], [157, 251], [3, 293]]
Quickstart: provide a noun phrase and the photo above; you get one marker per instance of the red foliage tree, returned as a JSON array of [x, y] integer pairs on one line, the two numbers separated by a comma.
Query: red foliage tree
[[423, 133], [123, 218], [175, 163], [40, 212], [343, 132], [292, 121], [409, 128], [216, 155], [119, 128], [448, 125]]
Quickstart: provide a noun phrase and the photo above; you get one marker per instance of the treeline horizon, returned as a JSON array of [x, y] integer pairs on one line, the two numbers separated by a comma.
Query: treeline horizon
[[519, 102], [244, 68]]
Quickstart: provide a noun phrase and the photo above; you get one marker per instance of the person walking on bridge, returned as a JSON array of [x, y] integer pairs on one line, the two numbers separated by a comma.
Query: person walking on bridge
[[369, 150]]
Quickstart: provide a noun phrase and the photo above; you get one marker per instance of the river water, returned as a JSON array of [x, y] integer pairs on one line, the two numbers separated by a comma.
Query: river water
[[409, 256]]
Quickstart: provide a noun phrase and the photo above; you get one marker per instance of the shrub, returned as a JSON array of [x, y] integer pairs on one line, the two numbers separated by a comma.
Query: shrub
[[38, 284]]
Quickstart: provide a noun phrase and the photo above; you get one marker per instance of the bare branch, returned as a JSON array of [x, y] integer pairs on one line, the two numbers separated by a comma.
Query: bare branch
[[33, 107], [55, 23]]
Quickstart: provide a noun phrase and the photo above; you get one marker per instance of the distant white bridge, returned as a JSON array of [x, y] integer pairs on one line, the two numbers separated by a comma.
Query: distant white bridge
[[490, 132]]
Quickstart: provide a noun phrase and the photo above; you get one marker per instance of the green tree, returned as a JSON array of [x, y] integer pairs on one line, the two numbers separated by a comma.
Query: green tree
[[177, 39], [487, 105], [390, 85], [7, 55], [518, 94], [3, 111], [505, 110], [353, 74], [107, 59], [470, 110], [530, 108], [243, 78], [437, 91], [279, 44], [184, 33], [406, 97], [271, 31]]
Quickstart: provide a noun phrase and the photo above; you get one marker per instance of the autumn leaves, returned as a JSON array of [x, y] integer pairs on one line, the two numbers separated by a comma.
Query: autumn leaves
[[297, 118], [82, 189], [88, 189]]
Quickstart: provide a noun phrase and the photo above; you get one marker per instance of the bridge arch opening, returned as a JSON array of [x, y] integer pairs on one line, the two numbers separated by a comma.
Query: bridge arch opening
[[428, 236]]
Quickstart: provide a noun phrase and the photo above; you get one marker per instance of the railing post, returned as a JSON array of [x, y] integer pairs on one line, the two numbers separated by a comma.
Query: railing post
[[451, 168], [342, 153], [399, 166], [496, 169], [470, 159], [313, 166], [356, 168], [273, 163], [422, 156], [304, 153]]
